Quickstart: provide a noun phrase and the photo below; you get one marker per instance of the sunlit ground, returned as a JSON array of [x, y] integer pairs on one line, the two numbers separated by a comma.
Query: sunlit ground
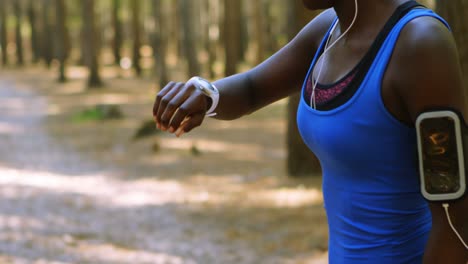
[[75, 192]]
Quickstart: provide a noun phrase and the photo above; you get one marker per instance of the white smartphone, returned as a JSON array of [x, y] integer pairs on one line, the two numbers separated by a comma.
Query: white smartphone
[[441, 155]]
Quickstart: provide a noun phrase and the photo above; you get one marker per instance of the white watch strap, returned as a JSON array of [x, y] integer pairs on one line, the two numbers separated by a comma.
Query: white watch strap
[[214, 103], [214, 96]]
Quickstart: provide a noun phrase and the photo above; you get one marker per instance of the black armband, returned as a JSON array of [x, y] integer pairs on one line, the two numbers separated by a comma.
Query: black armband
[[442, 151]]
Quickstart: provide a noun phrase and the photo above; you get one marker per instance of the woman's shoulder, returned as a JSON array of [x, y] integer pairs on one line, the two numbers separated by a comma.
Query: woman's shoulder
[[426, 32], [322, 22], [316, 29], [427, 62], [425, 42]]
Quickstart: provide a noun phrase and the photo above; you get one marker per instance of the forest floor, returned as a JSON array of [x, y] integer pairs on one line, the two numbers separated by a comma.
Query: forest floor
[[83, 191]]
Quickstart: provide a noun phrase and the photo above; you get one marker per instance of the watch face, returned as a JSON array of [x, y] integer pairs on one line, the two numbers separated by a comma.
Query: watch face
[[206, 86], [440, 155]]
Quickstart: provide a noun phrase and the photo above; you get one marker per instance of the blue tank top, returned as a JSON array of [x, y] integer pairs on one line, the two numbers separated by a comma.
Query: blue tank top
[[371, 187]]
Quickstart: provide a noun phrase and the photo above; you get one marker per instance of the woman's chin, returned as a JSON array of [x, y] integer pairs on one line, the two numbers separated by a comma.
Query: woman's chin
[[318, 4]]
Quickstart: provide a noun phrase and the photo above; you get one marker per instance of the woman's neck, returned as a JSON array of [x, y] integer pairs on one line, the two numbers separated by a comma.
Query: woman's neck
[[371, 13]]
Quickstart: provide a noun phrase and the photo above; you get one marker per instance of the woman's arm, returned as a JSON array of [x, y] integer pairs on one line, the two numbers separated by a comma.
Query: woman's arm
[[431, 78], [277, 77]]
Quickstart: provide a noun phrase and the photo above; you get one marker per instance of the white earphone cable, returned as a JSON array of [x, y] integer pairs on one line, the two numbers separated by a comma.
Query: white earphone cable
[[314, 83], [446, 206]]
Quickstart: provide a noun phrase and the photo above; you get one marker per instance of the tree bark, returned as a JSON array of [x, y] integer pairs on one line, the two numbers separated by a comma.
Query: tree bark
[[91, 51], [244, 28], [47, 37], [3, 32], [213, 35], [175, 30], [19, 38], [160, 43], [117, 26], [301, 161], [232, 35], [268, 27], [35, 29], [61, 38], [190, 46], [259, 31], [136, 30]]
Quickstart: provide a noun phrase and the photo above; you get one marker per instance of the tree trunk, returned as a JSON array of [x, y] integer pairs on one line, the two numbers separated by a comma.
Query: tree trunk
[[91, 51], [117, 26], [232, 35], [19, 38], [301, 161], [244, 28], [47, 37], [3, 32], [35, 42], [160, 43], [258, 32], [190, 44], [212, 8], [268, 26], [174, 29], [136, 29], [456, 12], [61, 38]]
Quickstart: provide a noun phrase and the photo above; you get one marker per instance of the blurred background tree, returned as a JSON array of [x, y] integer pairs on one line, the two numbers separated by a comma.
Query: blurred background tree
[[47, 33], [456, 13], [18, 11], [300, 161], [171, 40], [90, 43], [136, 36], [61, 37], [117, 30], [32, 14], [3, 31]]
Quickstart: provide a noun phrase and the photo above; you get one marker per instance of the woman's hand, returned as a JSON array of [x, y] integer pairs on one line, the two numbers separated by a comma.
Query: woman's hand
[[179, 108]]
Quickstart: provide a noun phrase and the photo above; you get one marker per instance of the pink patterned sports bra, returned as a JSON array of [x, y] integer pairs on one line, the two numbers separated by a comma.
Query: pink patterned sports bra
[[325, 93]]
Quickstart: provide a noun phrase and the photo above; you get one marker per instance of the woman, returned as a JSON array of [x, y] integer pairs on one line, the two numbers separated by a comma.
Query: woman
[[376, 65]]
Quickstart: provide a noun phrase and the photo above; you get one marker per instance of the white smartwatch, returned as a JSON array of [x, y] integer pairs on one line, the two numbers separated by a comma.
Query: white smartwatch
[[208, 89]]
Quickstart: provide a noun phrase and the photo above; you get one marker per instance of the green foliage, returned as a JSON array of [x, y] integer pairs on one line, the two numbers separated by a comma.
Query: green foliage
[[195, 151], [87, 115], [99, 112]]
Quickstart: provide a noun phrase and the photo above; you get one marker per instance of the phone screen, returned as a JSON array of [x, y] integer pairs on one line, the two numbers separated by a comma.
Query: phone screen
[[439, 154]]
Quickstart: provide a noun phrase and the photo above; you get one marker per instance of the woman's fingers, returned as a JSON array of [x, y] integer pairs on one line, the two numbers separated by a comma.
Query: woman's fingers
[[159, 97], [193, 105], [190, 123], [174, 107], [179, 108], [165, 101], [180, 130]]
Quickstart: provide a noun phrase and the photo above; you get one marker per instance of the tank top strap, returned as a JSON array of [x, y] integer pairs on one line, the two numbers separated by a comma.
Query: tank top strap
[[323, 42], [317, 54], [386, 51]]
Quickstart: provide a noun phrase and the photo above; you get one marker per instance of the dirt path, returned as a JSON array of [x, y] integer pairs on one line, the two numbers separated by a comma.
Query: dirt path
[[93, 197]]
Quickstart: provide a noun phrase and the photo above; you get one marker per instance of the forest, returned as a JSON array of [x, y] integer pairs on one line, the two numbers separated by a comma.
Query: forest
[[166, 40], [85, 177], [147, 36]]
